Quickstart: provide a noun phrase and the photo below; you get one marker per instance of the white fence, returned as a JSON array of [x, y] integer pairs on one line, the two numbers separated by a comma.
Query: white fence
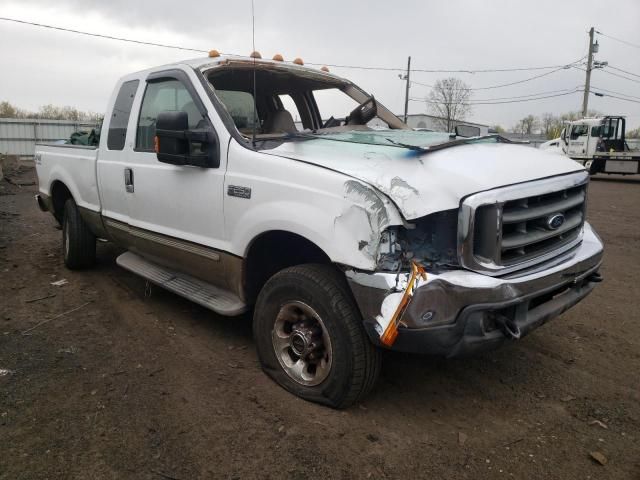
[[18, 136]]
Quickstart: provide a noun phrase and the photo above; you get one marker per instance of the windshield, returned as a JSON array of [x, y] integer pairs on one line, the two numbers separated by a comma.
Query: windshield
[[291, 101]]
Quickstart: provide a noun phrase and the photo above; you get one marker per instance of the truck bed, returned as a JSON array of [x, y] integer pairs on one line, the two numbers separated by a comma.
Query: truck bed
[[626, 163], [74, 166]]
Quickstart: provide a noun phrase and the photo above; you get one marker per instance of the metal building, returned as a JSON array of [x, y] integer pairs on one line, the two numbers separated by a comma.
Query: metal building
[[18, 136]]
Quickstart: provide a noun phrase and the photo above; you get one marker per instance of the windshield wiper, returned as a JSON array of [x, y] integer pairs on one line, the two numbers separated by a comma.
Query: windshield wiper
[[450, 143]]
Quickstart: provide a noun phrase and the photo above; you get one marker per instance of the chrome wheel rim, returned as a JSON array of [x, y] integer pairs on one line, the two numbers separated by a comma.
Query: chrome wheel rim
[[301, 343]]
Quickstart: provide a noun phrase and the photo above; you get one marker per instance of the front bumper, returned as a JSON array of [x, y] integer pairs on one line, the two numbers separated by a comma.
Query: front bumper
[[461, 312]]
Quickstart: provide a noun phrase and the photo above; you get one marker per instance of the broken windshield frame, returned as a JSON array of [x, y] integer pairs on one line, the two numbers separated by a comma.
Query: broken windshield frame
[[298, 82], [388, 142]]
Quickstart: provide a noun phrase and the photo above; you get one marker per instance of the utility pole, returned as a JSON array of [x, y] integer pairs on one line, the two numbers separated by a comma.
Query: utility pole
[[406, 94], [587, 82]]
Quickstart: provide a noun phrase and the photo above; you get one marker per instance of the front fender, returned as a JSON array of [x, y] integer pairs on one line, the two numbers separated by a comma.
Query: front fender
[[342, 216]]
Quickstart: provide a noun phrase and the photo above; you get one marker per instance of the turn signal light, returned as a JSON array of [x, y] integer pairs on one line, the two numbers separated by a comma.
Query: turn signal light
[[390, 333]]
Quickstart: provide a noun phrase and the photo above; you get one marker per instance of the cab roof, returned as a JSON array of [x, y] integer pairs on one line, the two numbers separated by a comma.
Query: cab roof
[[207, 63]]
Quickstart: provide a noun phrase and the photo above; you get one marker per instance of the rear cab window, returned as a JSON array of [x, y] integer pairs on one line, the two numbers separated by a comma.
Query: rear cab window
[[120, 115]]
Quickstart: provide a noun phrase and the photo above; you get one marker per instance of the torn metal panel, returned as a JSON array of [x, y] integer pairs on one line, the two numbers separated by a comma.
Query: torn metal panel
[[366, 215]]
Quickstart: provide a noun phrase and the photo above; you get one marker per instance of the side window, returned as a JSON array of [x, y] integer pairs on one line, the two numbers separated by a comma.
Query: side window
[[595, 131], [120, 115], [290, 106], [333, 102], [578, 131], [240, 107], [167, 95]]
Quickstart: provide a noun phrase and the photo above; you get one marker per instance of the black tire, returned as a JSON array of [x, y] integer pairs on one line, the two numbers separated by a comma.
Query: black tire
[[355, 361], [78, 242]]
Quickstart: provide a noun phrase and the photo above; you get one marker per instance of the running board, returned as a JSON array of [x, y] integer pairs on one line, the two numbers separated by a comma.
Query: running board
[[202, 293]]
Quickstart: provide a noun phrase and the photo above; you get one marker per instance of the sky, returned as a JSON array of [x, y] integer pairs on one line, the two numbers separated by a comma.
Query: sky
[[42, 66]]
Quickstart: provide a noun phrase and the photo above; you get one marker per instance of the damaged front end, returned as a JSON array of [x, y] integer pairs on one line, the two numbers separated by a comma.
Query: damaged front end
[[421, 301]]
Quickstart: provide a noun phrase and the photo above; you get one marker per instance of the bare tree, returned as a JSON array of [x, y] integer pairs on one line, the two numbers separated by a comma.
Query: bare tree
[[549, 124], [527, 125], [49, 112], [449, 100], [7, 110]]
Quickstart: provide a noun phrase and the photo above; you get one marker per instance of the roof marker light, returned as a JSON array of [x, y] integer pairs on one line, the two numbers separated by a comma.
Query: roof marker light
[[255, 54], [298, 61], [214, 53], [278, 58], [325, 69]]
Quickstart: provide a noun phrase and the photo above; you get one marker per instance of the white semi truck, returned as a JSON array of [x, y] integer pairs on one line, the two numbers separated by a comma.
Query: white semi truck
[[599, 144], [342, 240]]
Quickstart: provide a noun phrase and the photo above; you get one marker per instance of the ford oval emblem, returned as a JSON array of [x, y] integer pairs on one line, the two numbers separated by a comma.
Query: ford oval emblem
[[555, 221]]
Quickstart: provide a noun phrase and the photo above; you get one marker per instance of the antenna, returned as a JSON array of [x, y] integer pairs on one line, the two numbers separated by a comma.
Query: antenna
[[253, 41]]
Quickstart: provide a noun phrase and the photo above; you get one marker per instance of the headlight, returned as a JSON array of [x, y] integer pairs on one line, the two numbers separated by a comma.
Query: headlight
[[430, 241]]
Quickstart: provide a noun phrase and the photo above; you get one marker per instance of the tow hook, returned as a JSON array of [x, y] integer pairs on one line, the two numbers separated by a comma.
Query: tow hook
[[595, 277], [510, 329]]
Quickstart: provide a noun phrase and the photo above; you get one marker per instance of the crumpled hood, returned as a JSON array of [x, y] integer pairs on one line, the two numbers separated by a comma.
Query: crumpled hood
[[420, 183]]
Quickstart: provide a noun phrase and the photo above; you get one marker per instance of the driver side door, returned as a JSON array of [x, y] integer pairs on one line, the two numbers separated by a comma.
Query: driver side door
[[175, 211]]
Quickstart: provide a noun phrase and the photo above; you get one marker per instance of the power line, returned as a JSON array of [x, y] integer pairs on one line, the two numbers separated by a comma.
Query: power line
[[610, 73], [618, 39], [619, 98], [613, 91], [491, 87], [623, 71], [426, 70], [528, 95], [621, 76], [488, 102], [359, 67], [564, 90], [108, 37]]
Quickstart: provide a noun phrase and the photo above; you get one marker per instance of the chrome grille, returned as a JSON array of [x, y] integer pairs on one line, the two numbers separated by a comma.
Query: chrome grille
[[506, 229]]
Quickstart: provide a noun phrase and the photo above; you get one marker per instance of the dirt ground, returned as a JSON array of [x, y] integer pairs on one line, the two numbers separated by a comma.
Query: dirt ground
[[100, 379]]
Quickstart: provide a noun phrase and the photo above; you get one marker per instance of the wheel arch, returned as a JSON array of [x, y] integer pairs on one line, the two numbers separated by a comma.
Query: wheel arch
[[60, 193], [273, 250]]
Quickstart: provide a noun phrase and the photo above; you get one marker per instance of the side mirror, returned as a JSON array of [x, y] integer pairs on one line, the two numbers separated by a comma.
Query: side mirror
[[176, 144], [467, 131]]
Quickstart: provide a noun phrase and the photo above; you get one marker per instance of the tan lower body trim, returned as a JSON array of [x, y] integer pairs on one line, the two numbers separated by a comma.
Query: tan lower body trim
[[218, 268]]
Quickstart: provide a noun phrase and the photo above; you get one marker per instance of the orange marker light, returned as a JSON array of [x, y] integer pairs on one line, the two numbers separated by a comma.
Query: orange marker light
[[278, 58], [214, 53], [255, 54], [298, 61], [156, 144], [325, 69], [390, 334]]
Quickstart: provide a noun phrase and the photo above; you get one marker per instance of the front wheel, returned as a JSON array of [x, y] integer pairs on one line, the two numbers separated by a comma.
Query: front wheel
[[310, 338]]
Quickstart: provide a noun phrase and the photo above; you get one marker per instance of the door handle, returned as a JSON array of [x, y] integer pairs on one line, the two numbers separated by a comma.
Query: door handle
[[128, 180]]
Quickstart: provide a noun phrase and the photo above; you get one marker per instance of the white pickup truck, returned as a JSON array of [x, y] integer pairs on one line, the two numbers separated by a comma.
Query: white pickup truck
[[342, 239]]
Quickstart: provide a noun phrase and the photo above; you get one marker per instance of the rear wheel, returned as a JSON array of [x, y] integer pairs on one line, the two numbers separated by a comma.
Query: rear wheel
[[78, 242], [310, 337]]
